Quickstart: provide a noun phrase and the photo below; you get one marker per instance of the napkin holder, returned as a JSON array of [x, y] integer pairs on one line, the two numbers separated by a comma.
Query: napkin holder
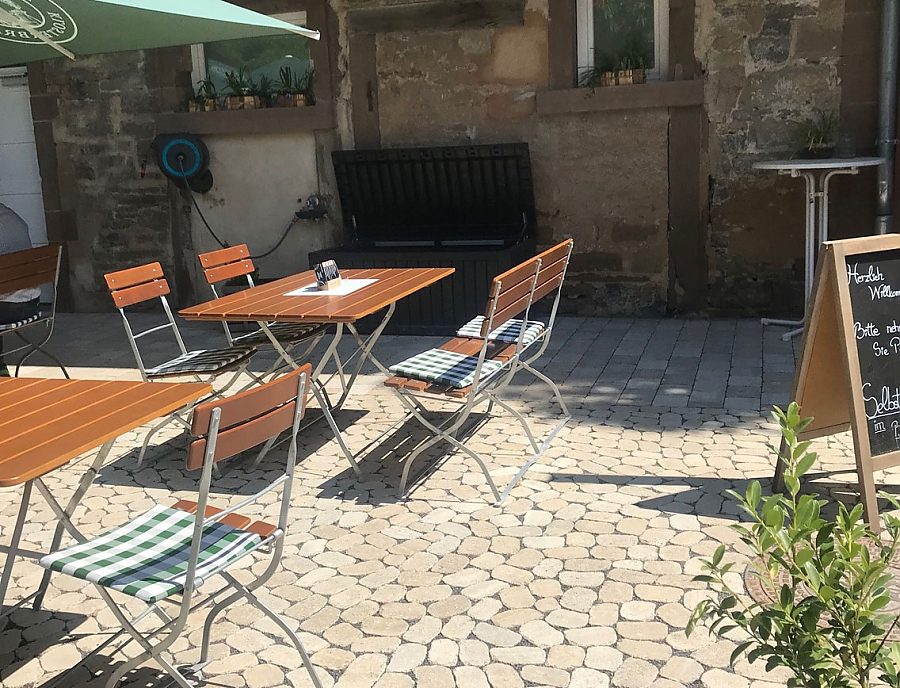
[[327, 275]]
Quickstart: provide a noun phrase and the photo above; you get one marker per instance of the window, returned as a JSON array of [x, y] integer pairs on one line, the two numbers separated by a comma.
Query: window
[[258, 57], [623, 34]]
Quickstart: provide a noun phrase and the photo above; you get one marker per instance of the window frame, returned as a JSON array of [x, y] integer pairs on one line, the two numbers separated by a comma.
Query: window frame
[[584, 39], [198, 54]]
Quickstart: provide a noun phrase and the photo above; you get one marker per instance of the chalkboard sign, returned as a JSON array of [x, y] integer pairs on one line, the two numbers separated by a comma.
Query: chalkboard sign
[[848, 377], [874, 283]]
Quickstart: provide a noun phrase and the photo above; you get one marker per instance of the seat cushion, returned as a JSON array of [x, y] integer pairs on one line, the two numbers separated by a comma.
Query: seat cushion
[[445, 367], [147, 557], [507, 332], [285, 333], [201, 361], [20, 323]]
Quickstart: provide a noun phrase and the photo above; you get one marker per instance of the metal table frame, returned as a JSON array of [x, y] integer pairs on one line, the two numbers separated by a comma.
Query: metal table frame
[[817, 197], [364, 351]]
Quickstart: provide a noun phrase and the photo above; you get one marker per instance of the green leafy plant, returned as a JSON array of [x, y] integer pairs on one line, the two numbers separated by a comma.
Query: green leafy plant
[[238, 85], [303, 85], [285, 80], [263, 89], [206, 90], [817, 132], [827, 578]]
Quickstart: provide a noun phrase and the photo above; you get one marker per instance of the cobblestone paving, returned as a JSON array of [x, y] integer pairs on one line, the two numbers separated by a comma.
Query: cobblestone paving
[[583, 579]]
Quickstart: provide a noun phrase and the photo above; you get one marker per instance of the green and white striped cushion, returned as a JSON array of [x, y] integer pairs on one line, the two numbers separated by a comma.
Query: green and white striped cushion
[[445, 367], [507, 332], [148, 556]]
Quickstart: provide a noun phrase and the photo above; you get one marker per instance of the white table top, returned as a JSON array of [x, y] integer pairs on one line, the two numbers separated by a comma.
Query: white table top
[[824, 164]]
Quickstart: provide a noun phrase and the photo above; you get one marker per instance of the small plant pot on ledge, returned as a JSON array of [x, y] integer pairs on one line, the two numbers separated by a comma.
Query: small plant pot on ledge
[[242, 102], [291, 100], [207, 105], [627, 77]]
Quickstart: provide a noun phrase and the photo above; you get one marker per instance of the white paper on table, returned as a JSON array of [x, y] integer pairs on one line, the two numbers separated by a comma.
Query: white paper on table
[[347, 286]]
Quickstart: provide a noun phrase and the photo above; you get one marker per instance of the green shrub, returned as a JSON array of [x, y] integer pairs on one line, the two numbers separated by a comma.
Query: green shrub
[[828, 578]]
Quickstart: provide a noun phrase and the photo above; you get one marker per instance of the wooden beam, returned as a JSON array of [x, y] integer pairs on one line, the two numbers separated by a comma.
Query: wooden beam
[[438, 15], [654, 95], [364, 91]]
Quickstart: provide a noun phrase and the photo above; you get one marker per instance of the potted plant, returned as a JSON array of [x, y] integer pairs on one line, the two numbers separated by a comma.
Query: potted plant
[[603, 73], [239, 96], [826, 580], [816, 135], [630, 66], [206, 99], [286, 86], [262, 90], [304, 87]]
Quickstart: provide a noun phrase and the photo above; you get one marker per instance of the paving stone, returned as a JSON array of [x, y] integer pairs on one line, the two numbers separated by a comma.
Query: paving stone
[[635, 673]]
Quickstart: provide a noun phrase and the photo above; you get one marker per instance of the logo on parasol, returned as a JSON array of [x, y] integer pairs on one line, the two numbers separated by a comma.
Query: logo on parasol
[[19, 19]]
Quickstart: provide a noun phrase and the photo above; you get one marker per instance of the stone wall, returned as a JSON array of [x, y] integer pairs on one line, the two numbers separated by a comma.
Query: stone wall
[[767, 66], [600, 177], [102, 127]]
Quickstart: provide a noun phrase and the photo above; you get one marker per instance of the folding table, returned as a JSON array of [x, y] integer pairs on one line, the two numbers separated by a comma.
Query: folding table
[[295, 299], [816, 212], [45, 423]]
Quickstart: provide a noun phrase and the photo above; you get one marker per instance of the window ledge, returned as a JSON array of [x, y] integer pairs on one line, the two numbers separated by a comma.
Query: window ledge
[[663, 94], [259, 121]]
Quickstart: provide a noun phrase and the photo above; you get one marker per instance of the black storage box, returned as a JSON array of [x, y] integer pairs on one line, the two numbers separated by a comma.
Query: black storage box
[[467, 207]]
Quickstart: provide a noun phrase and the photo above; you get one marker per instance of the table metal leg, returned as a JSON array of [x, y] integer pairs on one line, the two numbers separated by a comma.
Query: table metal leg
[[86, 481], [14, 542], [319, 391], [809, 258]]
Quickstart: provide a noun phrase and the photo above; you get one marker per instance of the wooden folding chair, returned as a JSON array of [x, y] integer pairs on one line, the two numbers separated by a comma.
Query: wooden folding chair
[[235, 262], [146, 282], [171, 551], [27, 269], [480, 363]]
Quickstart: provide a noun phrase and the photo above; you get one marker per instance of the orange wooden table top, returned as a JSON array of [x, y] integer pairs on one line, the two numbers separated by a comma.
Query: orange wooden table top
[[45, 423], [268, 301]]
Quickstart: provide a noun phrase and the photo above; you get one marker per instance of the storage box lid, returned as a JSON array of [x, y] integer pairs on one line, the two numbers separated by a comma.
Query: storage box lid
[[438, 196]]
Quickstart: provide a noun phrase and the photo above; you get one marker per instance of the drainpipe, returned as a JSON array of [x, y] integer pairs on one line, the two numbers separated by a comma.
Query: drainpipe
[[887, 112]]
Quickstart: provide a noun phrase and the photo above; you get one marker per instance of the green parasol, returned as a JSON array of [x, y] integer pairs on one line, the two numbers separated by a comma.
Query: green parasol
[[33, 30]]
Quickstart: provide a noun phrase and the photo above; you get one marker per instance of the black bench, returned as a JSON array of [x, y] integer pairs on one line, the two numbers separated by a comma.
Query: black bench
[[468, 207]]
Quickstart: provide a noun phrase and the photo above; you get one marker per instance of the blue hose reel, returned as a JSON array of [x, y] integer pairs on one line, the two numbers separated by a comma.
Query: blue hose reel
[[184, 159]]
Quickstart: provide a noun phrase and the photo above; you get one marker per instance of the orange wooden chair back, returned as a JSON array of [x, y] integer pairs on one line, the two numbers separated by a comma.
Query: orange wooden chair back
[[248, 418], [226, 263], [511, 291], [30, 268]]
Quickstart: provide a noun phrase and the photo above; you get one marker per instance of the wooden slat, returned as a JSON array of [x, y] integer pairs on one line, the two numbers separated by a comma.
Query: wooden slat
[[267, 302], [132, 276], [233, 520], [555, 253], [249, 404], [81, 415], [140, 293], [229, 271], [242, 437], [239, 521], [524, 271], [223, 256], [8, 261], [29, 281], [28, 269]]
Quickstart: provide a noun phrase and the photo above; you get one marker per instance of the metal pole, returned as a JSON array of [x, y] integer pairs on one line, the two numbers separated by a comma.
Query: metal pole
[[887, 112]]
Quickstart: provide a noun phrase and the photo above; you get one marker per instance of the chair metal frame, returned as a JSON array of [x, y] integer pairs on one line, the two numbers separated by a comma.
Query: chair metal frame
[[233, 262], [489, 388], [273, 543], [41, 257], [157, 286]]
